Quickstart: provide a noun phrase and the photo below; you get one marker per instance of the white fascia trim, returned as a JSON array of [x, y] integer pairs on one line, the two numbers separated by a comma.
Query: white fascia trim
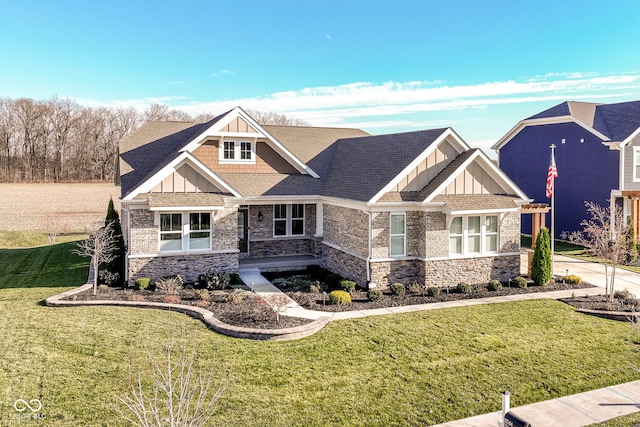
[[183, 253], [186, 208], [489, 167], [215, 130], [480, 211], [174, 165], [270, 200], [448, 133], [630, 138], [543, 121]]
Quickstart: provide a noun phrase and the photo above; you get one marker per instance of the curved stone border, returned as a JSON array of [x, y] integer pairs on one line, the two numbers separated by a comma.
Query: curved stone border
[[202, 314], [622, 316]]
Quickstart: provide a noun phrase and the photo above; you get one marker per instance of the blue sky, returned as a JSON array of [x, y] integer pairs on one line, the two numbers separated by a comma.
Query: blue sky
[[477, 66]]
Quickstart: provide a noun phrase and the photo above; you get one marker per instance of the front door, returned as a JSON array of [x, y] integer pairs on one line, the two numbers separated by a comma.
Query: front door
[[243, 230]]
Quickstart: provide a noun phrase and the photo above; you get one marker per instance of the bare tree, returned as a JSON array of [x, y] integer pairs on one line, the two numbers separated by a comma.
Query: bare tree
[[605, 234], [178, 391], [100, 246], [269, 118]]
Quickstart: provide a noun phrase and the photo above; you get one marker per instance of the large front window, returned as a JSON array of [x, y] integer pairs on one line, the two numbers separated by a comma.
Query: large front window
[[472, 235], [397, 235], [185, 232], [288, 220]]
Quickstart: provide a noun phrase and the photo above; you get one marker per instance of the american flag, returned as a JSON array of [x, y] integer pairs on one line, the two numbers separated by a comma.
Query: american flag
[[552, 174]]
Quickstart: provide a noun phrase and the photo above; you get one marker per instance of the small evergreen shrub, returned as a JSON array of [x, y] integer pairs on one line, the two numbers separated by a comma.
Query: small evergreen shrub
[[315, 288], [494, 285], [433, 291], [374, 294], [108, 278], [234, 279], [541, 262], [142, 283], [521, 282], [463, 288], [202, 294], [398, 289], [339, 297], [572, 279], [347, 285]]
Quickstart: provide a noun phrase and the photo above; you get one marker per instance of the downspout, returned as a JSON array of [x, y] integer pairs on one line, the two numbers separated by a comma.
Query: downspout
[[368, 249]]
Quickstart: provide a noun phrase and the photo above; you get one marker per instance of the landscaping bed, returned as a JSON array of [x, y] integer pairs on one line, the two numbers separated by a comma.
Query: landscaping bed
[[623, 302], [303, 288], [232, 306]]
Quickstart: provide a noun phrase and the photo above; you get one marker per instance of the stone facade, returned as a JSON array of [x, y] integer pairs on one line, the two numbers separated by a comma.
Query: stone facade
[[143, 237], [188, 266], [346, 228], [282, 247], [348, 266]]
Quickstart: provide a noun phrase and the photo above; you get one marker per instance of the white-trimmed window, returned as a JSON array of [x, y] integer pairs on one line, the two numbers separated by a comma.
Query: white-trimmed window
[[240, 151], [397, 234], [181, 232], [636, 163], [199, 231], [473, 235], [170, 232], [288, 220]]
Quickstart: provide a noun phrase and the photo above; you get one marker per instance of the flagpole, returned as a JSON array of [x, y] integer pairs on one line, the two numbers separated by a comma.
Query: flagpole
[[553, 210]]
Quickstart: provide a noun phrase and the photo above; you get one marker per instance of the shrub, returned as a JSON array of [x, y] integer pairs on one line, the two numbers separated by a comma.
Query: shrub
[[108, 278], [215, 281], [171, 299], [494, 285], [202, 294], [103, 287], [339, 297], [624, 295], [170, 285], [142, 283], [347, 285], [521, 282], [315, 288], [234, 279], [415, 287], [398, 289], [116, 266], [281, 281], [463, 288], [333, 280], [572, 279], [433, 291], [136, 298], [236, 297], [374, 294], [541, 263]]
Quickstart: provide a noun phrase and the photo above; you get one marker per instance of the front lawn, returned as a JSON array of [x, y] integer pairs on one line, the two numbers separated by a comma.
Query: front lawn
[[412, 369]]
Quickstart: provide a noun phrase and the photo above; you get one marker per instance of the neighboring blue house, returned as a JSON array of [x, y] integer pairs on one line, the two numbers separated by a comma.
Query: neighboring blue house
[[597, 156]]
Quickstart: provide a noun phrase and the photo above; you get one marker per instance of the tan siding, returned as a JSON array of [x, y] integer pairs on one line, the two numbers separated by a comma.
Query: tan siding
[[474, 180], [419, 177], [185, 180], [239, 125], [267, 160]]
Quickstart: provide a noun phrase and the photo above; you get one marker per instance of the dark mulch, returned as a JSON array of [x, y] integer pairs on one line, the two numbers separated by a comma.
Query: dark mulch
[[314, 301], [234, 307], [623, 301]]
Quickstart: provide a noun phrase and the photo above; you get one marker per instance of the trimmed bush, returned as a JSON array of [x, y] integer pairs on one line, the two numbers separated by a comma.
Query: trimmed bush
[[215, 281], [375, 294], [572, 279], [202, 294], [624, 295], [315, 288], [142, 283], [347, 285], [339, 297], [463, 288], [433, 291], [541, 263], [521, 282], [415, 287], [494, 285], [398, 289]]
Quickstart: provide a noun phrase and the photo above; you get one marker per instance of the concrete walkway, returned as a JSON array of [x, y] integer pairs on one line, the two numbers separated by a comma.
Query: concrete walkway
[[594, 273]]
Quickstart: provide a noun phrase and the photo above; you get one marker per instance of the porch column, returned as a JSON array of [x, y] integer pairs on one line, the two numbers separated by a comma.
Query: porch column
[[634, 198], [538, 219], [319, 219]]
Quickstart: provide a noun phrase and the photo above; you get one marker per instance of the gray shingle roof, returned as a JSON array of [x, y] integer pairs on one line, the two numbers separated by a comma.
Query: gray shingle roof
[[470, 202], [616, 121]]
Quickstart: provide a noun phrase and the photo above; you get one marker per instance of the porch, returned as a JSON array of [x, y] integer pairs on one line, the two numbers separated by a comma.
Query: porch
[[280, 263]]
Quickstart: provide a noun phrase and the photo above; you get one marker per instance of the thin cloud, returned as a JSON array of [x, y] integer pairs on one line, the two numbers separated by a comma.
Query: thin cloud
[[222, 73], [328, 37]]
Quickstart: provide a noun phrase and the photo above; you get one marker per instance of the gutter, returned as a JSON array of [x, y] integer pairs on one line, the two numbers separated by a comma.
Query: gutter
[[369, 242]]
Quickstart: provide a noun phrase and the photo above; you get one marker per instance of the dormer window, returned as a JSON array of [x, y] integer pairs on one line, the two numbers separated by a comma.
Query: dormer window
[[237, 151]]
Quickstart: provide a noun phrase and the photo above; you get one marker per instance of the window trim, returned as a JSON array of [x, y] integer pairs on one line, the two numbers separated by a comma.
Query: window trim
[[483, 236], [289, 220], [185, 232], [238, 152], [403, 234], [636, 164]]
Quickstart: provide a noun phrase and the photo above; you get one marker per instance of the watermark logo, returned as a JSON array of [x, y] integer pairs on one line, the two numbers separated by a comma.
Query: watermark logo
[[28, 410]]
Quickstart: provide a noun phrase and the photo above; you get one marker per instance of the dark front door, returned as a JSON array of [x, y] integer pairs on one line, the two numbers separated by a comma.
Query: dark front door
[[243, 230]]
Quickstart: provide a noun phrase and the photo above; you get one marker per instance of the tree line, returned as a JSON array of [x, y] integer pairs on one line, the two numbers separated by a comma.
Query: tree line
[[59, 140]]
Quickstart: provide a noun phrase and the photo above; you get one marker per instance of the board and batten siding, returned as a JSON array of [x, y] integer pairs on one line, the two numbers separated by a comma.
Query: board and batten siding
[[475, 180], [435, 162], [629, 184], [186, 180]]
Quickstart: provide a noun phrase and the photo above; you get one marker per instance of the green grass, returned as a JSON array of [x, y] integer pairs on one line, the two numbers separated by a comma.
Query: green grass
[[26, 239], [624, 421], [411, 369]]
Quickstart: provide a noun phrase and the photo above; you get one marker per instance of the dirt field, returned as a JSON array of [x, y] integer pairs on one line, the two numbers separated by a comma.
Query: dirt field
[[54, 207]]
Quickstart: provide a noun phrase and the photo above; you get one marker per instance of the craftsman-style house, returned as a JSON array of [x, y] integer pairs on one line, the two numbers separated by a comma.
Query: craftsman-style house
[[418, 206]]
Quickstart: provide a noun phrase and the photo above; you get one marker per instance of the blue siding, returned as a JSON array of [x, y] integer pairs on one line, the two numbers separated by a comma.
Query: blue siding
[[586, 171]]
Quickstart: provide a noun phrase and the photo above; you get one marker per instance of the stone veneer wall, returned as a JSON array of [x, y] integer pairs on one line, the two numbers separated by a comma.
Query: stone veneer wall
[[188, 266], [346, 228], [143, 236], [282, 247], [348, 266], [510, 232]]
